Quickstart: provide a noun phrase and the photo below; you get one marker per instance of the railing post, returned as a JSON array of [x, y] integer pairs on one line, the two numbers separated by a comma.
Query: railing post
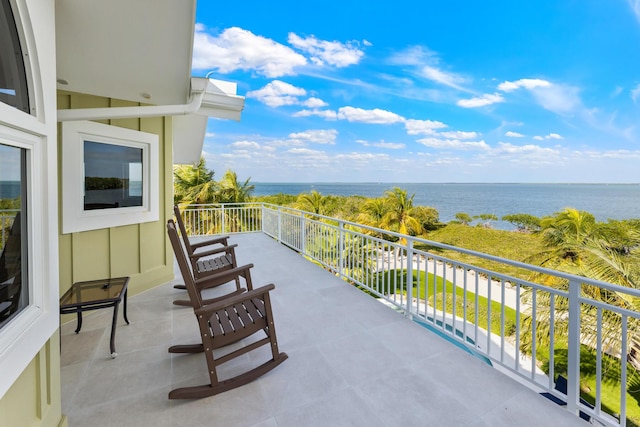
[[409, 277], [279, 225], [262, 211], [303, 234], [341, 249], [223, 222], [573, 360]]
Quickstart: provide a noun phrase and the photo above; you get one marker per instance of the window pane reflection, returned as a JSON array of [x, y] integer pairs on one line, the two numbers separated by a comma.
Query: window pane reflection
[[113, 176], [14, 295], [13, 81]]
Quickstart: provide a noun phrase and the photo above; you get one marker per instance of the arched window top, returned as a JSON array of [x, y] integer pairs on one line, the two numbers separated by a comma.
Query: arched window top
[[13, 79]]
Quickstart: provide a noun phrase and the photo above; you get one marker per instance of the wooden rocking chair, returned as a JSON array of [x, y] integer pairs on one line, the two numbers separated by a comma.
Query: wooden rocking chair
[[209, 265], [195, 251], [229, 320], [211, 280]]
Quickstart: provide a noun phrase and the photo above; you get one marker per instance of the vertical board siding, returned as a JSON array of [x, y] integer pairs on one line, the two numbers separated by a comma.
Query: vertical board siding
[[140, 251]]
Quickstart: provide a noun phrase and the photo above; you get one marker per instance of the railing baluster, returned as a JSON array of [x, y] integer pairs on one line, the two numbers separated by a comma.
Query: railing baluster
[[623, 373], [573, 358]]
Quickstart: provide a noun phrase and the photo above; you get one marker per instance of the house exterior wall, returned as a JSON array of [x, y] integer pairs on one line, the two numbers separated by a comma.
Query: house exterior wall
[[140, 251], [29, 359]]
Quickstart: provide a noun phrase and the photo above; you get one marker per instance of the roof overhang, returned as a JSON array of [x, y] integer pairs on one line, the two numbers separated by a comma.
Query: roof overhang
[[140, 51], [136, 50]]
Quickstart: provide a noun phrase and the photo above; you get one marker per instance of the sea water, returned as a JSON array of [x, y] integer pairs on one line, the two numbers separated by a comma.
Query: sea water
[[604, 201]]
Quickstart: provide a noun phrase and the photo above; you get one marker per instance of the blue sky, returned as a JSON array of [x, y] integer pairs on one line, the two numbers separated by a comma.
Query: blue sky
[[408, 91]]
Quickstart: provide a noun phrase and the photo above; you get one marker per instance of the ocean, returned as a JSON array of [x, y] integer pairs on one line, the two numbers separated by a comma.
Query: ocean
[[604, 201]]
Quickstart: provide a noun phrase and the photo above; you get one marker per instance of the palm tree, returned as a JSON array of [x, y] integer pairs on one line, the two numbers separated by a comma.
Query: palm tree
[[400, 213], [373, 212], [576, 243], [194, 184], [231, 191], [311, 202]]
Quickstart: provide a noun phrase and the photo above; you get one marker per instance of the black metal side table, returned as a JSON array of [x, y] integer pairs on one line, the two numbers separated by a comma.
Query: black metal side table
[[94, 295]]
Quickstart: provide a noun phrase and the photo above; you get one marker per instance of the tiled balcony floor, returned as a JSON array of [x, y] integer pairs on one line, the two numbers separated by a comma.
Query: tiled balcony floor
[[352, 362]]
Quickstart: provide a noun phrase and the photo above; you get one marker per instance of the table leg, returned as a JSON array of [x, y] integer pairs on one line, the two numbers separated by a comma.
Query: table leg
[[79, 326], [113, 330], [124, 309]]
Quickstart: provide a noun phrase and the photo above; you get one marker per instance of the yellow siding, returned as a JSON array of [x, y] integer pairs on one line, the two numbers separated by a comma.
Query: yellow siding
[[140, 251], [42, 380]]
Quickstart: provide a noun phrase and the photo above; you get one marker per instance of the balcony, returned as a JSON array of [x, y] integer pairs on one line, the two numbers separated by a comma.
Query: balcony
[[376, 358]]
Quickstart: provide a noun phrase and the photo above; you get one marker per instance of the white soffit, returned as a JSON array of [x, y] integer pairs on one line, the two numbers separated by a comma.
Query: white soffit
[[188, 138], [137, 50]]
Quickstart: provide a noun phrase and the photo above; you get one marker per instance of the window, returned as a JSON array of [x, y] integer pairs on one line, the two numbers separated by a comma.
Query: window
[[110, 176], [13, 81], [14, 297], [29, 314]]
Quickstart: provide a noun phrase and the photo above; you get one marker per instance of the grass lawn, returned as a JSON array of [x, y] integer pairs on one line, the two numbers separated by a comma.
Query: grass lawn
[[501, 243], [610, 383], [395, 280]]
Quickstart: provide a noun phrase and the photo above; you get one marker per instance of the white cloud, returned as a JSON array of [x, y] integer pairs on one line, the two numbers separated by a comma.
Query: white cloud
[[453, 144], [635, 7], [560, 99], [320, 136], [513, 134], [238, 49], [413, 55], [635, 92], [326, 52], [277, 93], [618, 154], [382, 144], [246, 144], [326, 114], [314, 103], [376, 115], [422, 127], [443, 77], [209, 135], [362, 157], [530, 149], [459, 134], [480, 101], [549, 136], [427, 64], [523, 83], [306, 152]]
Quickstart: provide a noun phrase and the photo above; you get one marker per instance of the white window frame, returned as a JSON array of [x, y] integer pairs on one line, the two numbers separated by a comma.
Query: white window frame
[[25, 335], [74, 217]]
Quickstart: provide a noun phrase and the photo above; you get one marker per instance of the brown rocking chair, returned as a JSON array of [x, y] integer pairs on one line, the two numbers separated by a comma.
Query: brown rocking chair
[[227, 321], [210, 265], [211, 280]]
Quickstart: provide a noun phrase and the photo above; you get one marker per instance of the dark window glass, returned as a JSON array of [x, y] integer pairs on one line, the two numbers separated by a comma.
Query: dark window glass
[[112, 176], [14, 293], [13, 80]]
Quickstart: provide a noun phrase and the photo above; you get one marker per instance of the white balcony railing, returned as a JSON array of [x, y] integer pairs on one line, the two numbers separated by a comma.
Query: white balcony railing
[[491, 314]]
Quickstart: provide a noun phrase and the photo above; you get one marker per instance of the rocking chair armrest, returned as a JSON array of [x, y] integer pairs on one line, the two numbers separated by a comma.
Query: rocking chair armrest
[[236, 299], [217, 240], [215, 279], [227, 249]]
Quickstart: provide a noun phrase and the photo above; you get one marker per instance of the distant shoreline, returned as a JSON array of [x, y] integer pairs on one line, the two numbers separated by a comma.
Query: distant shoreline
[[439, 183], [604, 201]]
